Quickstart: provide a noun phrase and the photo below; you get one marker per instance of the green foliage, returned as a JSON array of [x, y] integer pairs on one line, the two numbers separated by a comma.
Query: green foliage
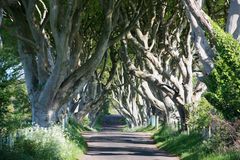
[[16, 112], [224, 81], [47, 144], [189, 147], [106, 107], [223, 138], [14, 104], [99, 121], [201, 117], [8, 71], [217, 10]]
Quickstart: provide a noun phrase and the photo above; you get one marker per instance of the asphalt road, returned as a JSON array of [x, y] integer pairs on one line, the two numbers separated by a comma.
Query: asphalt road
[[112, 144]]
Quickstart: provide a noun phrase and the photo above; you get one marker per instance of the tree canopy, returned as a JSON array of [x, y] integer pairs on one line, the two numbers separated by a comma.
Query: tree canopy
[[145, 57]]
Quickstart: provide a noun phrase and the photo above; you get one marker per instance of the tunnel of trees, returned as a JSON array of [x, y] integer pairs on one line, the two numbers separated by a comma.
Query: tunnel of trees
[[174, 61]]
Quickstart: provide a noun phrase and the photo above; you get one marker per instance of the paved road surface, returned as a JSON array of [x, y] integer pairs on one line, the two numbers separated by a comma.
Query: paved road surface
[[112, 144]]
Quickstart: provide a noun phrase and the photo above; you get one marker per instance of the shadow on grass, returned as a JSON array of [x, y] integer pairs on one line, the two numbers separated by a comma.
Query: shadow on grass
[[179, 144], [74, 132]]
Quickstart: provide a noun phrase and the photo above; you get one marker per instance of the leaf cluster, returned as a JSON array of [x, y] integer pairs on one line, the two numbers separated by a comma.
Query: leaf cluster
[[224, 81]]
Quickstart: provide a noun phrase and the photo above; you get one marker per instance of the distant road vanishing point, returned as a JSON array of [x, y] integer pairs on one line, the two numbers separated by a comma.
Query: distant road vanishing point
[[112, 144]]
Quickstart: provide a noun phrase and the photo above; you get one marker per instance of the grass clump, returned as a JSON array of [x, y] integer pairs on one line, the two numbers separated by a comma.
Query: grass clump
[[52, 143]]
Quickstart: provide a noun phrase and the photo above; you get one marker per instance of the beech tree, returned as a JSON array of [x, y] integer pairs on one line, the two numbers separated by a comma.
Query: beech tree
[[163, 61], [58, 48]]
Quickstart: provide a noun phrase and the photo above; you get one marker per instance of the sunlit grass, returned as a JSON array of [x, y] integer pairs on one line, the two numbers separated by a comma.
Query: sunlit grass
[[148, 128]]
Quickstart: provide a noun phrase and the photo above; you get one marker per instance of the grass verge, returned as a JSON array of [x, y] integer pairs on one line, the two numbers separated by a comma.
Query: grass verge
[[189, 147], [53, 143]]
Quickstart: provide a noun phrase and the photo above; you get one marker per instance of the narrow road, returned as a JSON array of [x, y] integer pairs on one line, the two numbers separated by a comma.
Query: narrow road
[[112, 144]]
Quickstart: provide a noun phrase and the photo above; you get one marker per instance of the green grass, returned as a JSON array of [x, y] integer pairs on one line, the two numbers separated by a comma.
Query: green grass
[[234, 155], [149, 129], [74, 134], [189, 147]]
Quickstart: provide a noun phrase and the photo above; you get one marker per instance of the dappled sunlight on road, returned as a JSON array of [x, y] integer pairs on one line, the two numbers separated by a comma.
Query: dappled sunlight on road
[[112, 144]]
